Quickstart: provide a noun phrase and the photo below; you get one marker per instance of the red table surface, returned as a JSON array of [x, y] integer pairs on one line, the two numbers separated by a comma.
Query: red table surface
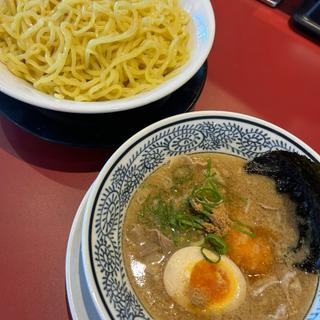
[[258, 65]]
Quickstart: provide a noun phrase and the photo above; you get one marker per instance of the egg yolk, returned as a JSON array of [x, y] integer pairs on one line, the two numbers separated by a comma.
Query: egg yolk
[[253, 255], [209, 285]]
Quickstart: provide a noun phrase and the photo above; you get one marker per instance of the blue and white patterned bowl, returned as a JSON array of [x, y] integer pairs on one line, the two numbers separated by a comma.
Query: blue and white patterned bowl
[[205, 131]]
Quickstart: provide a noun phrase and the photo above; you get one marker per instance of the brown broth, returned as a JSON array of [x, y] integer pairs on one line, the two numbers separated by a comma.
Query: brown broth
[[283, 293]]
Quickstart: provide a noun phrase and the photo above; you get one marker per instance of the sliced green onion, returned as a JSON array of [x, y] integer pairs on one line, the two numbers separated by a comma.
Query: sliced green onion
[[217, 243], [200, 208], [185, 221], [207, 258], [209, 196], [208, 172], [204, 199], [244, 228]]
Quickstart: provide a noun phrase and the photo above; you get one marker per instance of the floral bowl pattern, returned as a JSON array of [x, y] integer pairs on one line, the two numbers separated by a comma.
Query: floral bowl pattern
[[206, 131]]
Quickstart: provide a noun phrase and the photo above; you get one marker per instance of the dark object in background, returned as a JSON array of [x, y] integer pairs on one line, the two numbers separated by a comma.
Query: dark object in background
[[271, 3], [305, 15], [307, 18], [299, 177]]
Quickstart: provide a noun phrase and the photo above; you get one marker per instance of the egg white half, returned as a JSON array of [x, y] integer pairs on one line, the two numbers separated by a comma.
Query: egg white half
[[177, 275]]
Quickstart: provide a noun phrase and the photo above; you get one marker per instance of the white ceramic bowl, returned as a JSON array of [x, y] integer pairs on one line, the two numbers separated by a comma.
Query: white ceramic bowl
[[206, 131], [202, 35]]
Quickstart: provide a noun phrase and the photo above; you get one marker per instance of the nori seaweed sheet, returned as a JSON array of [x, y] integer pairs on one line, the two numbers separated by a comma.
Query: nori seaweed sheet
[[299, 177]]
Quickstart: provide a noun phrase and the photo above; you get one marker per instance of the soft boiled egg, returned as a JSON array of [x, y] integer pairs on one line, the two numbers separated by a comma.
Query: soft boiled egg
[[202, 287], [254, 255]]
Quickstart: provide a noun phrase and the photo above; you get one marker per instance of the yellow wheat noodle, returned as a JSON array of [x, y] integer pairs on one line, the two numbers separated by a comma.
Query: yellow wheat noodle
[[93, 50]]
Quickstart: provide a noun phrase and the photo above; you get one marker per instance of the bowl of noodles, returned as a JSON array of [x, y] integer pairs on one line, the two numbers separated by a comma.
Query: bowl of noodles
[[101, 56], [205, 215]]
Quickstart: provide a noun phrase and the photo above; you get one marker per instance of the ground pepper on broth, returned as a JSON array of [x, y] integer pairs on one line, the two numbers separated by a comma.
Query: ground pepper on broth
[[275, 289]]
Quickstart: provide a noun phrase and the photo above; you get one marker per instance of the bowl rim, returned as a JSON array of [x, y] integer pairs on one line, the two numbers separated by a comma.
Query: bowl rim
[[45, 101], [136, 139]]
